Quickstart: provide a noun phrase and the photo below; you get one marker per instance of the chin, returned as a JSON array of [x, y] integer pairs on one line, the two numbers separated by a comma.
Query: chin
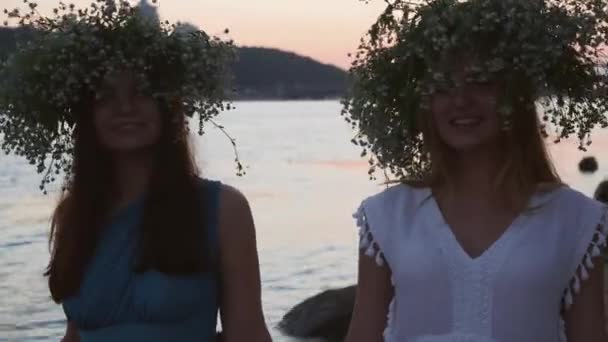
[[463, 146], [469, 145], [128, 149], [127, 146]]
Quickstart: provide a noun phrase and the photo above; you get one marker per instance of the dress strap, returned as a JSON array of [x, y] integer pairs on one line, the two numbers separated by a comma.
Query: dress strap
[[212, 193]]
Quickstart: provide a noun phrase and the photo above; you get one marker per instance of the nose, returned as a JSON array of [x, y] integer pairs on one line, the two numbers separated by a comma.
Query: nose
[[459, 98], [124, 105]]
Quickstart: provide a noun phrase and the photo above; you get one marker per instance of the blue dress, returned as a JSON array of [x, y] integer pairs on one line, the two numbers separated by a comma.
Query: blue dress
[[116, 304]]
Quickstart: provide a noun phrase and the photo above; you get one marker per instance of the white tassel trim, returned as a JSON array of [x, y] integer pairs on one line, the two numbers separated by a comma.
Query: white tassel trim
[[562, 331], [368, 244], [581, 274], [366, 238], [388, 331]]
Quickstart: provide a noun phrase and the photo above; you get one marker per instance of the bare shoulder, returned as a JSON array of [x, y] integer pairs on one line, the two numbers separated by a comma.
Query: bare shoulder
[[235, 214], [233, 201], [232, 198]]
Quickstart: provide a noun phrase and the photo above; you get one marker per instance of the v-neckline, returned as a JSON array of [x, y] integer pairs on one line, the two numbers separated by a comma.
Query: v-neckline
[[505, 237]]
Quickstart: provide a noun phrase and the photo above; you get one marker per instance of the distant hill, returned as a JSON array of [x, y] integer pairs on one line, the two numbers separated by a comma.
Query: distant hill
[[260, 73], [263, 72]]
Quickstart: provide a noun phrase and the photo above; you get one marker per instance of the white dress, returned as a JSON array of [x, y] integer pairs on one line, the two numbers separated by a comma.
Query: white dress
[[514, 292]]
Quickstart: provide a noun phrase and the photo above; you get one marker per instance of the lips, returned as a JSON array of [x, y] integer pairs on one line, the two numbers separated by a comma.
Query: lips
[[127, 125], [466, 121]]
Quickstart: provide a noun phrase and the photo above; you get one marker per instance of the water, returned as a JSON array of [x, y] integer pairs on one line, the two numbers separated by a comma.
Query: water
[[304, 180]]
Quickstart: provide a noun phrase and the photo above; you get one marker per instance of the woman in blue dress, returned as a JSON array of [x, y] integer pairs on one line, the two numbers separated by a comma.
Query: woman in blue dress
[[143, 248]]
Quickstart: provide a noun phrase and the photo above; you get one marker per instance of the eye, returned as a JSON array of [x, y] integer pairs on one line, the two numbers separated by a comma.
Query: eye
[[102, 97], [442, 91]]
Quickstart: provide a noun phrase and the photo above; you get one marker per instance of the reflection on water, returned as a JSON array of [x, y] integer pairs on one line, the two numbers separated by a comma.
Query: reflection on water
[[304, 180]]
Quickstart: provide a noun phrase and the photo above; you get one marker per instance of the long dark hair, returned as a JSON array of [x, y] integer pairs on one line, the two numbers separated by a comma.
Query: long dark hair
[[173, 235]]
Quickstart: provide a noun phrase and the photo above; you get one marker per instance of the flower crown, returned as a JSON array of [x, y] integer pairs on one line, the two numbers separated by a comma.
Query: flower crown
[[549, 51], [45, 81]]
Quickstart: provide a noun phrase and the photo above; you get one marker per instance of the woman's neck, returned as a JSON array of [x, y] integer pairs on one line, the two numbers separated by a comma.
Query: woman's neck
[[472, 175], [132, 173]]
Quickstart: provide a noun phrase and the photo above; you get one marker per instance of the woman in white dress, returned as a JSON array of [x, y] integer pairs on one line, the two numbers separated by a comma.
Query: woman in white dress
[[487, 245]]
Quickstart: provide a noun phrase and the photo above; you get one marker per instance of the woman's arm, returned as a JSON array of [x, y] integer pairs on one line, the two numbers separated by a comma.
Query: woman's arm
[[374, 294], [71, 333], [241, 305], [585, 319]]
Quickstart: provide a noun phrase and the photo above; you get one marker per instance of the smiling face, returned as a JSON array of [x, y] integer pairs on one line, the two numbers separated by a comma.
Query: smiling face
[[465, 115], [124, 119]]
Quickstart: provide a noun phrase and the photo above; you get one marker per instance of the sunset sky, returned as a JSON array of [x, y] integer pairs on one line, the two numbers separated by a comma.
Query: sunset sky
[[326, 30]]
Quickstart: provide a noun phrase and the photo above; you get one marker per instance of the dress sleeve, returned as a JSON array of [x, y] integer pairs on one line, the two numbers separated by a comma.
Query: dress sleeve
[[367, 241], [374, 239], [590, 243]]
